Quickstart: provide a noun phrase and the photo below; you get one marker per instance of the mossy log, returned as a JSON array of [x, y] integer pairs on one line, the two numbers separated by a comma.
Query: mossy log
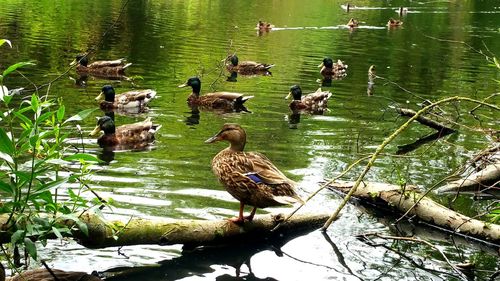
[[190, 233], [426, 210]]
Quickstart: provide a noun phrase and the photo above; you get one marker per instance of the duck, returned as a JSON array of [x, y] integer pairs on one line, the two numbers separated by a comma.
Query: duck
[[264, 26], [393, 23], [42, 274], [110, 68], [130, 99], [136, 135], [247, 67], [224, 101], [353, 23], [331, 70], [250, 177], [402, 11], [316, 102]]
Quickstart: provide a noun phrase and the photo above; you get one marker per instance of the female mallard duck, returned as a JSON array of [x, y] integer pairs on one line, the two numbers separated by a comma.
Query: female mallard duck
[[393, 23], [353, 23], [135, 135], [315, 103], [331, 70], [130, 99], [247, 67], [250, 177], [43, 274], [110, 68], [224, 101]]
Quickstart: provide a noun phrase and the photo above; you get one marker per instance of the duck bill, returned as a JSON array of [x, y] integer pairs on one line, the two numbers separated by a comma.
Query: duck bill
[[95, 132], [183, 85], [321, 65], [74, 62], [289, 95], [100, 97], [213, 139]]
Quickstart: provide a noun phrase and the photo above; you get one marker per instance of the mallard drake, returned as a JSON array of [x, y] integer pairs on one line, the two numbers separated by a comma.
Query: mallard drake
[[331, 70], [353, 23], [315, 103], [130, 99], [264, 26], [393, 23], [110, 68], [247, 67], [224, 101], [43, 274], [250, 177], [136, 135]]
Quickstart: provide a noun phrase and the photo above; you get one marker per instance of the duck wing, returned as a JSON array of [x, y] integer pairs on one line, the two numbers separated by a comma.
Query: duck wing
[[256, 66], [107, 63], [262, 167], [140, 95]]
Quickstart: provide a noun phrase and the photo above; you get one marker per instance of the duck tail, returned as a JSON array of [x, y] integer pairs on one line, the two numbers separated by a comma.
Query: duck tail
[[288, 200], [267, 66], [127, 65]]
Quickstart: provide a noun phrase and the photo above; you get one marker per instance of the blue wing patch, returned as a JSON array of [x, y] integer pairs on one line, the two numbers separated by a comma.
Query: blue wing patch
[[254, 177]]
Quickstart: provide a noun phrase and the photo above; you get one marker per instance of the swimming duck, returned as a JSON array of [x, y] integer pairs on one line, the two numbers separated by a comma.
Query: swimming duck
[[247, 67], [331, 70], [353, 23], [264, 26], [43, 274], [130, 99], [136, 135], [224, 101], [110, 68], [250, 177], [315, 103], [393, 23]]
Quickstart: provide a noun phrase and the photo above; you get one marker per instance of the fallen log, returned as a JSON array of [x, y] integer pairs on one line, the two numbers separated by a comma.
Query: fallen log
[[425, 121], [485, 180], [426, 209], [190, 233]]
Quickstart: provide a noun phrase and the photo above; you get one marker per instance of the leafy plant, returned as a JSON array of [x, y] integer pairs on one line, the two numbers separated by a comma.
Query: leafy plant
[[36, 164]]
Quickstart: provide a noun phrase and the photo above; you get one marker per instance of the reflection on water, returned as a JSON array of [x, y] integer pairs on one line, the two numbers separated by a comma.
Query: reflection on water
[[168, 41]]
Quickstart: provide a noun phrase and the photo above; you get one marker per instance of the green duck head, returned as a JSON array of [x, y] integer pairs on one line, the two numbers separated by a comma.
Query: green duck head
[[81, 59], [234, 60], [107, 94], [193, 82], [295, 92], [327, 62], [105, 124]]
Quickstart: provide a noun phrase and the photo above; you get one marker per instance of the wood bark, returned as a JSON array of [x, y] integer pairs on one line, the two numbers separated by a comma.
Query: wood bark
[[424, 120], [190, 233], [426, 209], [486, 179]]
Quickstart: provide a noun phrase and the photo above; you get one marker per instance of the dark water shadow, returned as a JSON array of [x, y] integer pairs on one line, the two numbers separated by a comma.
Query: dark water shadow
[[200, 261], [403, 149]]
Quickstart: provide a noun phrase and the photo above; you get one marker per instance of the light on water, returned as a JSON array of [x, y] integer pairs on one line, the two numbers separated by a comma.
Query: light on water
[[170, 41]]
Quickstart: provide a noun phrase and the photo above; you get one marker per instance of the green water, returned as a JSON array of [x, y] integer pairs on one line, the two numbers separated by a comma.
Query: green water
[[170, 41]]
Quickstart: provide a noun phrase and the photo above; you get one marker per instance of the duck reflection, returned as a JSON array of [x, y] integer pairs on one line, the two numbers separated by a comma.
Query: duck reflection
[[233, 77], [194, 118], [294, 119]]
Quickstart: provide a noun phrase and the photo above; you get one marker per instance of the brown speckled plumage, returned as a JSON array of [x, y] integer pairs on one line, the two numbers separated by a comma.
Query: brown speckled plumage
[[314, 103], [250, 177], [130, 99], [247, 67], [330, 70], [43, 274], [109, 68]]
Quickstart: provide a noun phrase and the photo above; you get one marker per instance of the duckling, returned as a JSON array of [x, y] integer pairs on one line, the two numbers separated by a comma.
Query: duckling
[[113, 68], [315, 103], [250, 177], [224, 101], [136, 135], [264, 26], [331, 70], [393, 23], [247, 67], [353, 23], [130, 99], [42, 274]]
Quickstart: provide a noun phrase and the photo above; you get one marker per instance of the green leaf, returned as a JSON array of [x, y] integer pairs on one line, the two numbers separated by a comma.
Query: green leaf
[[82, 156], [3, 41], [34, 102], [23, 118], [30, 247], [83, 227], [16, 66], [80, 115], [6, 143], [44, 116], [60, 113], [57, 233], [16, 237], [5, 187], [50, 185]]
